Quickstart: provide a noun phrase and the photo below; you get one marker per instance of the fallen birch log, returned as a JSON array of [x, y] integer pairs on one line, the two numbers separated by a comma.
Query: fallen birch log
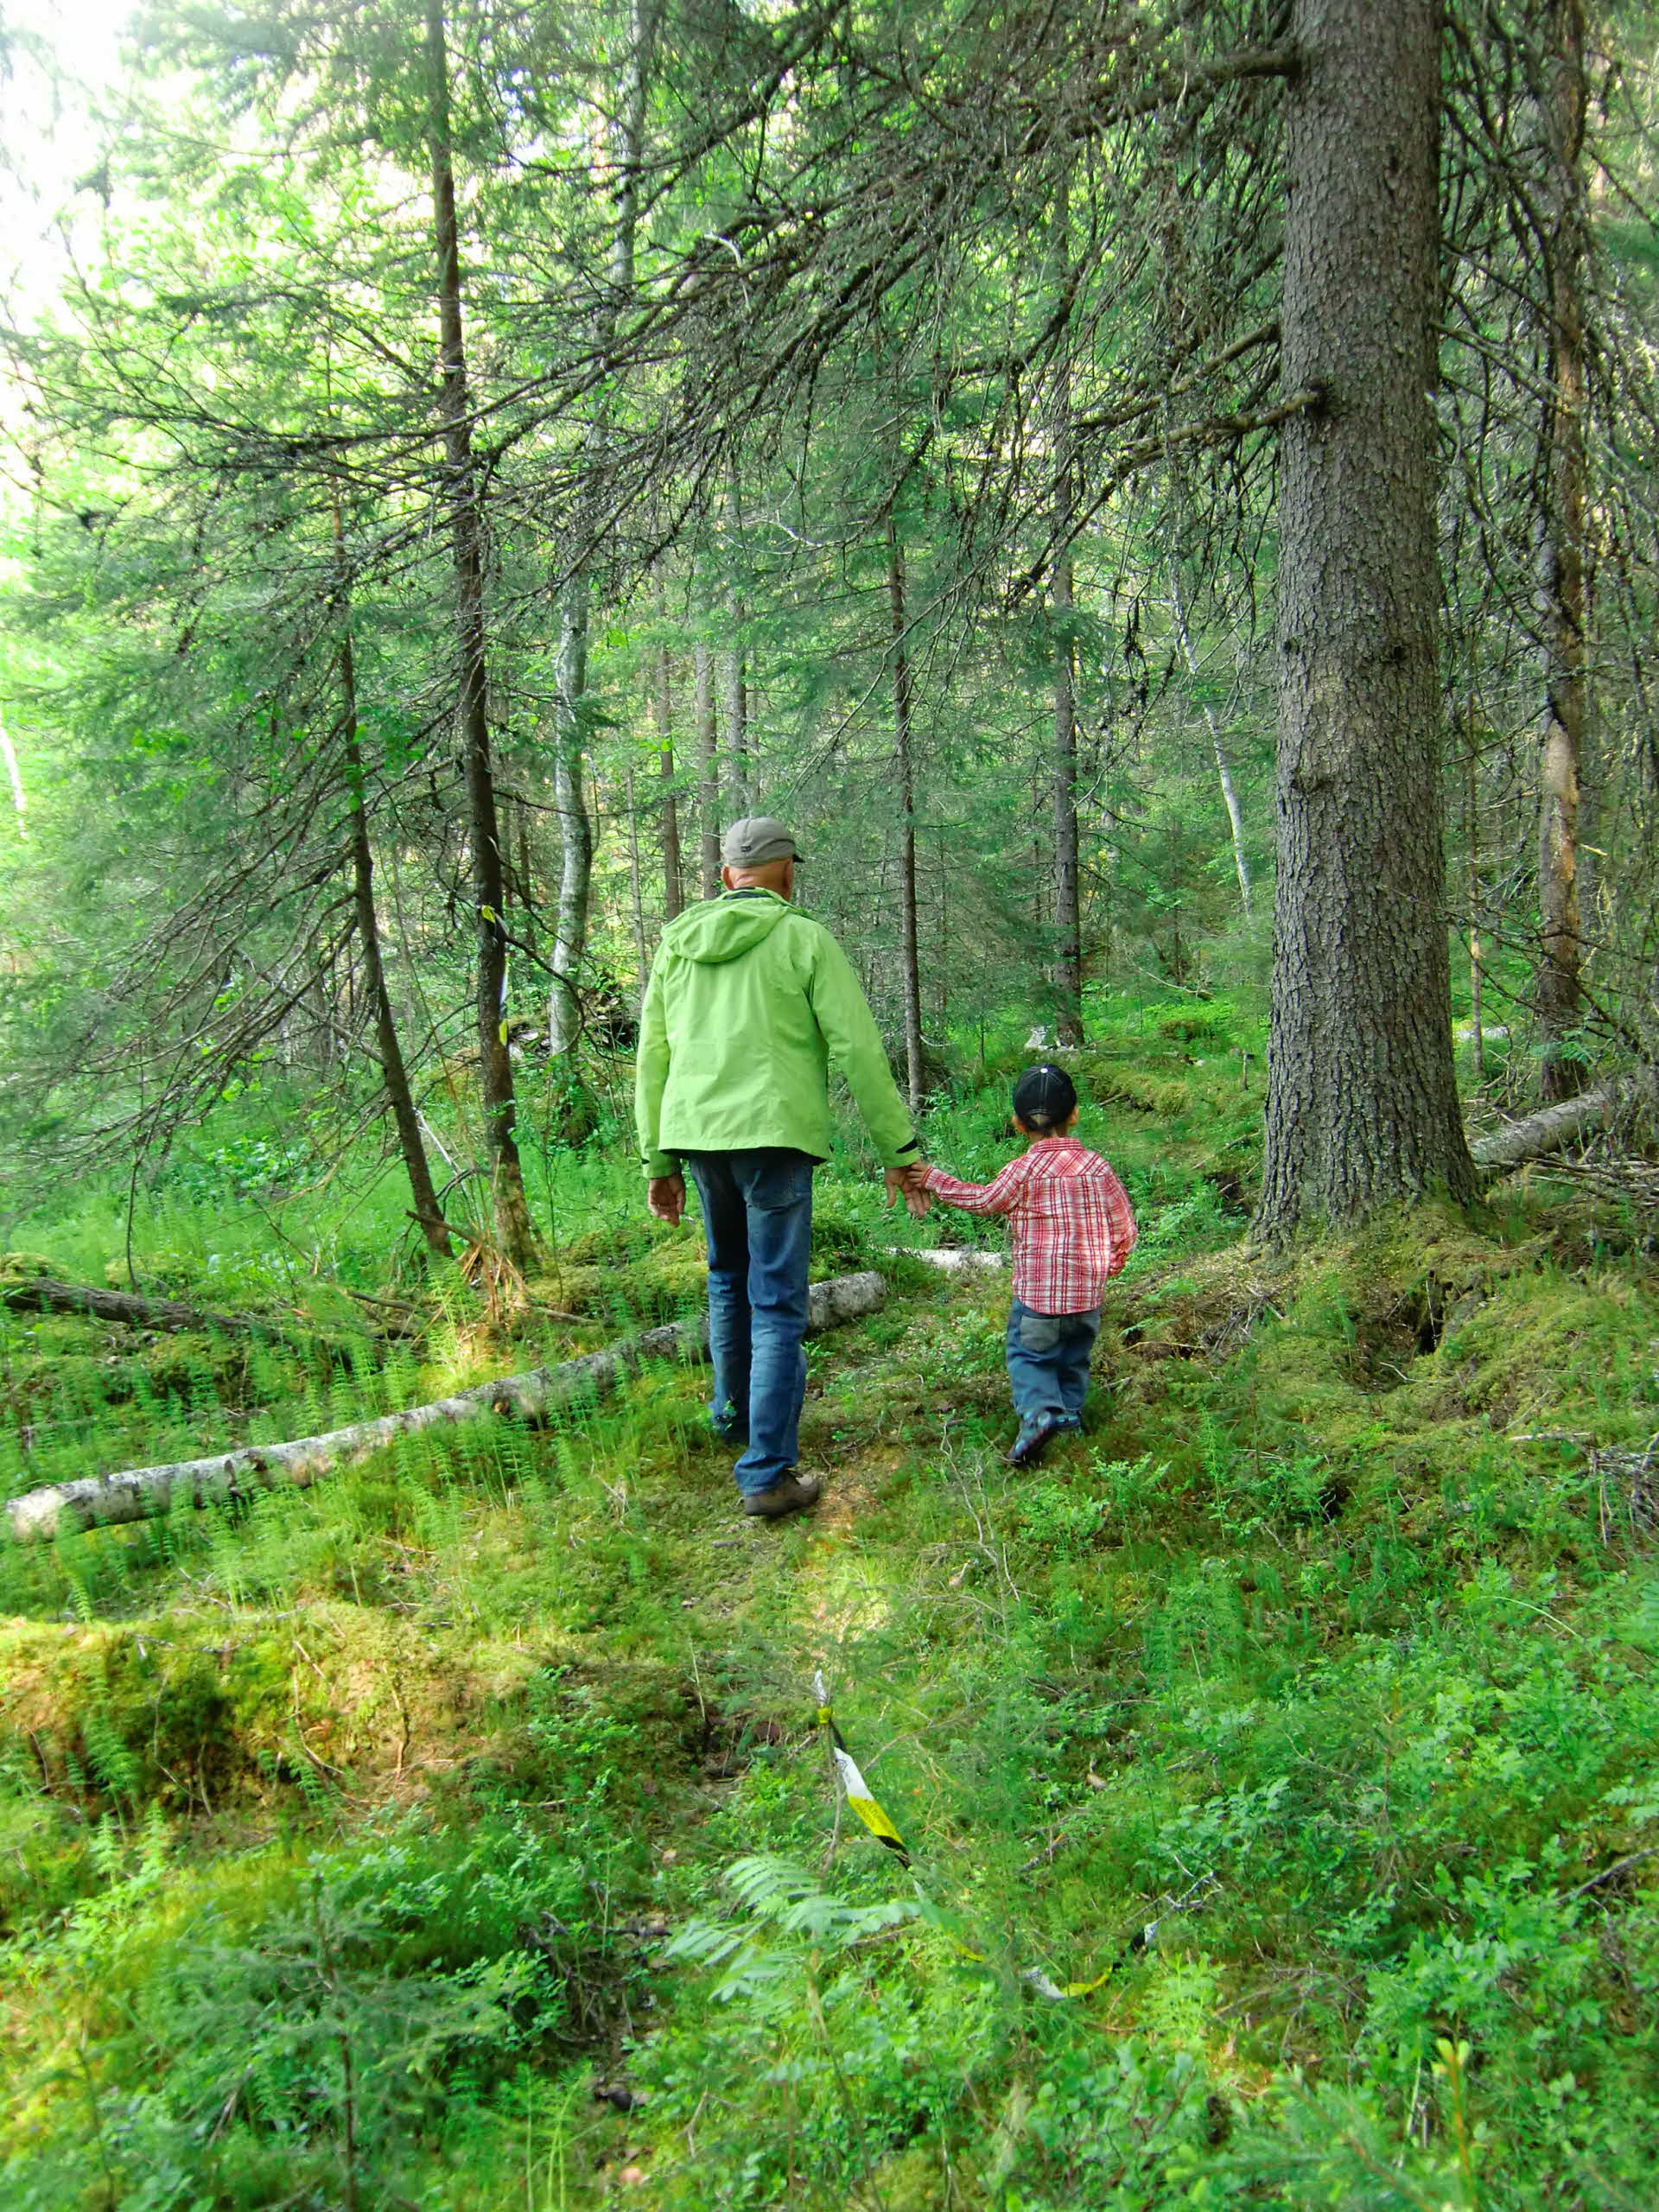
[[136, 1493], [952, 1260], [1556, 1127]]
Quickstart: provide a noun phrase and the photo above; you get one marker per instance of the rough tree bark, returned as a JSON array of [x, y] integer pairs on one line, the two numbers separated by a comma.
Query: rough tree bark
[[1362, 1099], [394, 1072], [909, 942], [570, 712], [1560, 552], [512, 1222], [136, 1493]]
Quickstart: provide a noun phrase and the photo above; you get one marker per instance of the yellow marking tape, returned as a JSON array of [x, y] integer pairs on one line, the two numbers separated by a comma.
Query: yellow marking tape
[[855, 1788], [858, 1794]]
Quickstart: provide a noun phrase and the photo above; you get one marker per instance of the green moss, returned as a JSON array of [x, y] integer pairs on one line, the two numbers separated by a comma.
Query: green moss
[[1139, 1089], [28, 1267]]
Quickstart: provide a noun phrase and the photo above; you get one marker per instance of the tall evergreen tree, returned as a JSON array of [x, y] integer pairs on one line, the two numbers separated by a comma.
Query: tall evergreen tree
[[1361, 1099]]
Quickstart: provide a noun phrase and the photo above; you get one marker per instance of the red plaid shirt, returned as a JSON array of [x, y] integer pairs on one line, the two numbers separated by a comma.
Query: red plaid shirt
[[1069, 1217]]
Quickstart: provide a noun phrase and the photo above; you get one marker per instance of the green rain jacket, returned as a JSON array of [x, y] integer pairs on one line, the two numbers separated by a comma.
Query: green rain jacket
[[748, 1002]]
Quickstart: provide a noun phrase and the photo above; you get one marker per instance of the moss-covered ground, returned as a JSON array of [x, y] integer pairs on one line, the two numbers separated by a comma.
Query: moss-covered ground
[[1278, 1762]]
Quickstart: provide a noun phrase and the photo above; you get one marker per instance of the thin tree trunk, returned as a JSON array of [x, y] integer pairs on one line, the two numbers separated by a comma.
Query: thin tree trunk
[[1223, 766], [707, 767], [576, 824], [1471, 839], [1561, 554], [735, 694], [673, 892], [1068, 910], [1067, 976], [909, 946], [571, 706], [635, 890], [1361, 1096], [512, 1221], [393, 1071], [526, 882]]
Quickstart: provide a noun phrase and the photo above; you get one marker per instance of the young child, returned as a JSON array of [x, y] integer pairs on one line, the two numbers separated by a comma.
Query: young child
[[1070, 1219]]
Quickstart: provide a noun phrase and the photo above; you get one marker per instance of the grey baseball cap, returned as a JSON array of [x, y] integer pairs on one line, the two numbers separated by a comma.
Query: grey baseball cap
[[757, 838]]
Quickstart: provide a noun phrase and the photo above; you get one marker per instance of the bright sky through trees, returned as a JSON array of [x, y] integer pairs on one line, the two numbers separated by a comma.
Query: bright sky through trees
[[60, 59]]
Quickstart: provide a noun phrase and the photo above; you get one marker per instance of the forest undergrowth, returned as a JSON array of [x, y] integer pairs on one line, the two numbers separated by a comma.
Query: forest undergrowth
[[1276, 1762]]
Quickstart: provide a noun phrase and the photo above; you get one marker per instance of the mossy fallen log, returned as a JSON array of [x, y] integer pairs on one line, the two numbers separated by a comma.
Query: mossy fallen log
[[136, 1493], [44, 1295]]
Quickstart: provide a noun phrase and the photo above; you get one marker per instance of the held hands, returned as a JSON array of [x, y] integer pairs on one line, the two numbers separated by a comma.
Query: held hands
[[665, 1197], [909, 1182]]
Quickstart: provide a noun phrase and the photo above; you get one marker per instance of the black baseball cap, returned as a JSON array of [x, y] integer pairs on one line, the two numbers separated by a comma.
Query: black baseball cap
[[1045, 1097]]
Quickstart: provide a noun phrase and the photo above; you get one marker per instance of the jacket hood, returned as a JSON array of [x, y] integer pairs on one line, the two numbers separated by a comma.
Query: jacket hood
[[718, 930]]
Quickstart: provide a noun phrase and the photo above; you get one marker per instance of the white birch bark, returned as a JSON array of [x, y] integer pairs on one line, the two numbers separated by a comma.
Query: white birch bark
[[137, 1493]]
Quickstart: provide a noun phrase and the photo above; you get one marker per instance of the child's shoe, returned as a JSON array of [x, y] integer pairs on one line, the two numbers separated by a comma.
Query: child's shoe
[[1035, 1431]]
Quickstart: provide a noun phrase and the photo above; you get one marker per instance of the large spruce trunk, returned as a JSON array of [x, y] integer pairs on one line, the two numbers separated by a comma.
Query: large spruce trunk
[[1362, 1102]]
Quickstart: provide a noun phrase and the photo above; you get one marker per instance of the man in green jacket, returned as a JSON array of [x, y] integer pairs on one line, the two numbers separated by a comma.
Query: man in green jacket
[[749, 1001]]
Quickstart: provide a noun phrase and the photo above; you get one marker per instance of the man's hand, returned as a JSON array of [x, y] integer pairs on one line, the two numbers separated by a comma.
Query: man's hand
[[666, 1196], [909, 1182]]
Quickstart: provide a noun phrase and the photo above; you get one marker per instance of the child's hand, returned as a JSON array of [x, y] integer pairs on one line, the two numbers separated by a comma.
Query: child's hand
[[909, 1180]]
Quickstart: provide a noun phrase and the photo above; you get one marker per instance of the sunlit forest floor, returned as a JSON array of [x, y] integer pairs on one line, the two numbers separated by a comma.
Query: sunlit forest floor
[[1277, 1762]]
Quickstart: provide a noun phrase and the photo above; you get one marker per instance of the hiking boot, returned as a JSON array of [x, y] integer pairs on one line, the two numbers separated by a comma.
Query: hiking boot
[[788, 1495], [1035, 1432]]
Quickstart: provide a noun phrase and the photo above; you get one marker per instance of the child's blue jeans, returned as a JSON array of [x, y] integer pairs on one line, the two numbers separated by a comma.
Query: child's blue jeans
[[1048, 1361]]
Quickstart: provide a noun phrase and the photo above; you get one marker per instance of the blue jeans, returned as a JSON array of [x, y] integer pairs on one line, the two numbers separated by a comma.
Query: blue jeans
[[757, 1215], [1048, 1361]]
